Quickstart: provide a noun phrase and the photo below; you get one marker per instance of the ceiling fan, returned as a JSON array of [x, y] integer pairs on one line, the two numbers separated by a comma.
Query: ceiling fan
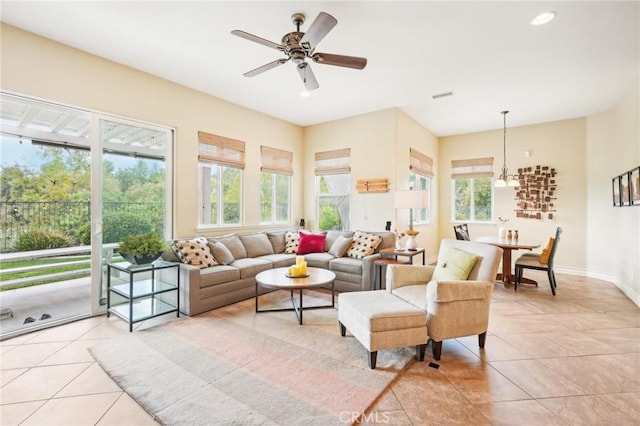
[[298, 46]]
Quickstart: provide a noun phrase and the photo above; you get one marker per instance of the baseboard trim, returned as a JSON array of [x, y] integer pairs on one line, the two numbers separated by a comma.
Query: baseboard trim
[[631, 293]]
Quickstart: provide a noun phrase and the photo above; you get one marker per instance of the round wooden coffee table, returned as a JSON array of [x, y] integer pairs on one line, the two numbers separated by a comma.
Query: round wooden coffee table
[[277, 279]]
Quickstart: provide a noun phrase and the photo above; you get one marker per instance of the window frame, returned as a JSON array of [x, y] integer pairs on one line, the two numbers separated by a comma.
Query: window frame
[[345, 221], [204, 195], [472, 218], [422, 216], [274, 198]]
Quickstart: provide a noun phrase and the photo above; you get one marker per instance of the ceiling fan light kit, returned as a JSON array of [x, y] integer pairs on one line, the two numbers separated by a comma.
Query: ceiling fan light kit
[[299, 46]]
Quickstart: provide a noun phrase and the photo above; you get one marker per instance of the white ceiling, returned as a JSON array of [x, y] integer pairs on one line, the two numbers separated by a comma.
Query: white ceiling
[[487, 53]]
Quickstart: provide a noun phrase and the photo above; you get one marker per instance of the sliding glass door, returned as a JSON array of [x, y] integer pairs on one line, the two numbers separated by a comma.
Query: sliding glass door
[[136, 189], [72, 184]]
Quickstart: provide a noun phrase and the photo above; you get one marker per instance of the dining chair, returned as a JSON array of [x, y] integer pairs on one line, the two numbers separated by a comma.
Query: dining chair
[[537, 262], [462, 232]]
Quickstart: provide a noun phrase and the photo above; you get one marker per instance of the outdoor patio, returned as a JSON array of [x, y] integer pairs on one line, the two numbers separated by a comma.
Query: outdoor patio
[[61, 301]]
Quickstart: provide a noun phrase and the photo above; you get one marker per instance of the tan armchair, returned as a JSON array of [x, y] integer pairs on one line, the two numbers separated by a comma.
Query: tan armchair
[[454, 308]]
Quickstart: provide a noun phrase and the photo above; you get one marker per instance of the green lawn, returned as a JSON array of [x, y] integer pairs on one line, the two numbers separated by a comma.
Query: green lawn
[[42, 272]]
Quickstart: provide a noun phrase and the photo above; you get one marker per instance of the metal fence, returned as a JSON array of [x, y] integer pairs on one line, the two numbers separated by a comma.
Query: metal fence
[[69, 218]]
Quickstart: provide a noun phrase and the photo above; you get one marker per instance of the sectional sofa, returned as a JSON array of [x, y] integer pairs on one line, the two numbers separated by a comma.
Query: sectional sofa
[[217, 271]]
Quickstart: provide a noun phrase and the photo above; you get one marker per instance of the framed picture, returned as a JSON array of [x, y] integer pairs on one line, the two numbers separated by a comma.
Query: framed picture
[[634, 186], [625, 198], [615, 183]]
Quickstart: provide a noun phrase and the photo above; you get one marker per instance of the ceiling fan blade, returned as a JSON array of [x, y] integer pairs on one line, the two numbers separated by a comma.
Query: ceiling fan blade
[[265, 67], [318, 30], [340, 60], [307, 76], [256, 39]]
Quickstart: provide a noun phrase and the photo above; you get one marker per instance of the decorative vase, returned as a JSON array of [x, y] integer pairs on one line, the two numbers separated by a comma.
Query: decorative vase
[[509, 235], [411, 243], [515, 234], [502, 233]]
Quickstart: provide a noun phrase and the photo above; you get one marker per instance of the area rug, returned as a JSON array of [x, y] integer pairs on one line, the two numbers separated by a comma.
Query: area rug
[[235, 366]]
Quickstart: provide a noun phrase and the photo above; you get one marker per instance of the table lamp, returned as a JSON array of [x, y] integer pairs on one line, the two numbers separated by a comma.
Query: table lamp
[[411, 199]]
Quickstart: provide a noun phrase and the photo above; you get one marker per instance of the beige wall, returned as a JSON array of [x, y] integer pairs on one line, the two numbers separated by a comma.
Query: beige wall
[[613, 237], [379, 143], [411, 134], [561, 145], [39, 67]]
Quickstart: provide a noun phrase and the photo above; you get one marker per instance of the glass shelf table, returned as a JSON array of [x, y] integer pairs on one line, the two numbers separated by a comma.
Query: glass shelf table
[[138, 292]]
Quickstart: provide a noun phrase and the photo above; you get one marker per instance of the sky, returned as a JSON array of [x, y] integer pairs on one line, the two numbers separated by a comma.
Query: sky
[[13, 151]]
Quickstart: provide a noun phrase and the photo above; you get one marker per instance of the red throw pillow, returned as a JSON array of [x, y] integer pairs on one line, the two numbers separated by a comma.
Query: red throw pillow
[[311, 243]]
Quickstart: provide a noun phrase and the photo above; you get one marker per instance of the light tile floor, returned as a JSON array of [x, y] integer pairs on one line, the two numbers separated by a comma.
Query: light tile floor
[[573, 359]]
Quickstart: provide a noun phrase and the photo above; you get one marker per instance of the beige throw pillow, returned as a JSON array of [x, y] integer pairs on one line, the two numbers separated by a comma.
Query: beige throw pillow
[[340, 246]]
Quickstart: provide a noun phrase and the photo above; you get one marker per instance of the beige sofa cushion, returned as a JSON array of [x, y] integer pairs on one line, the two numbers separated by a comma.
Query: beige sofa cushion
[[340, 246], [256, 244], [277, 241], [234, 244], [332, 236], [221, 252]]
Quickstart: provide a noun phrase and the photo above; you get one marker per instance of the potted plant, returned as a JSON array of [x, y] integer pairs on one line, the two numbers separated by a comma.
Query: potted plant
[[142, 248]]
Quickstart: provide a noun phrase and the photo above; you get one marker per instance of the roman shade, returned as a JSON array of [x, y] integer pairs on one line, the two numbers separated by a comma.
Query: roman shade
[[333, 162], [420, 163], [472, 168], [276, 161], [220, 150]]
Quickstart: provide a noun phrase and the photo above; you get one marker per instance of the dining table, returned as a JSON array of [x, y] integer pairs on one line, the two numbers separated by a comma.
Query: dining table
[[508, 245]]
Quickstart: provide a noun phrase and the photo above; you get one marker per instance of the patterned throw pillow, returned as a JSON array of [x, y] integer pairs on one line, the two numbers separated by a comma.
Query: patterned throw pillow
[[291, 242], [363, 245], [194, 252]]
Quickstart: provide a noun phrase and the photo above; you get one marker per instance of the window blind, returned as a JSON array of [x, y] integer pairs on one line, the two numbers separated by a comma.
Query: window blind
[[333, 162], [420, 163], [276, 161], [221, 150], [472, 168]]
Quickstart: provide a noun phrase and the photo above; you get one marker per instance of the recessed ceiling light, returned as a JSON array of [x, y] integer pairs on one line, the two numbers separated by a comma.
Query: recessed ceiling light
[[305, 94], [543, 18]]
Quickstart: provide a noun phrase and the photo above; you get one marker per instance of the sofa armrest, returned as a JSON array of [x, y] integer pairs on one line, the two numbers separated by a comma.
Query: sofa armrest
[[451, 291], [367, 271], [189, 289], [404, 275]]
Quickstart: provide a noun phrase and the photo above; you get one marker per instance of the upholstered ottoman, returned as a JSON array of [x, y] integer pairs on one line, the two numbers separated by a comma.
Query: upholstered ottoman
[[380, 320]]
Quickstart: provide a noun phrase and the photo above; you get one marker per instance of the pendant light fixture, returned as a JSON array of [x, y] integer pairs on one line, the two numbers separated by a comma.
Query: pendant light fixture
[[505, 179]]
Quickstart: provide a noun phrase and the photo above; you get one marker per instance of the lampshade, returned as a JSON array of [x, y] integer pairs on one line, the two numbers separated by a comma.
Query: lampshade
[[411, 199]]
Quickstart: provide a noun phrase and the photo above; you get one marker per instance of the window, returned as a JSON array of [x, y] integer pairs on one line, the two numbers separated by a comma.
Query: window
[[421, 167], [333, 180], [275, 185], [220, 172], [421, 183], [472, 191]]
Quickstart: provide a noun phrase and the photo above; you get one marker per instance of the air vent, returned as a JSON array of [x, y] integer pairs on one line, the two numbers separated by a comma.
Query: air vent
[[442, 95]]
